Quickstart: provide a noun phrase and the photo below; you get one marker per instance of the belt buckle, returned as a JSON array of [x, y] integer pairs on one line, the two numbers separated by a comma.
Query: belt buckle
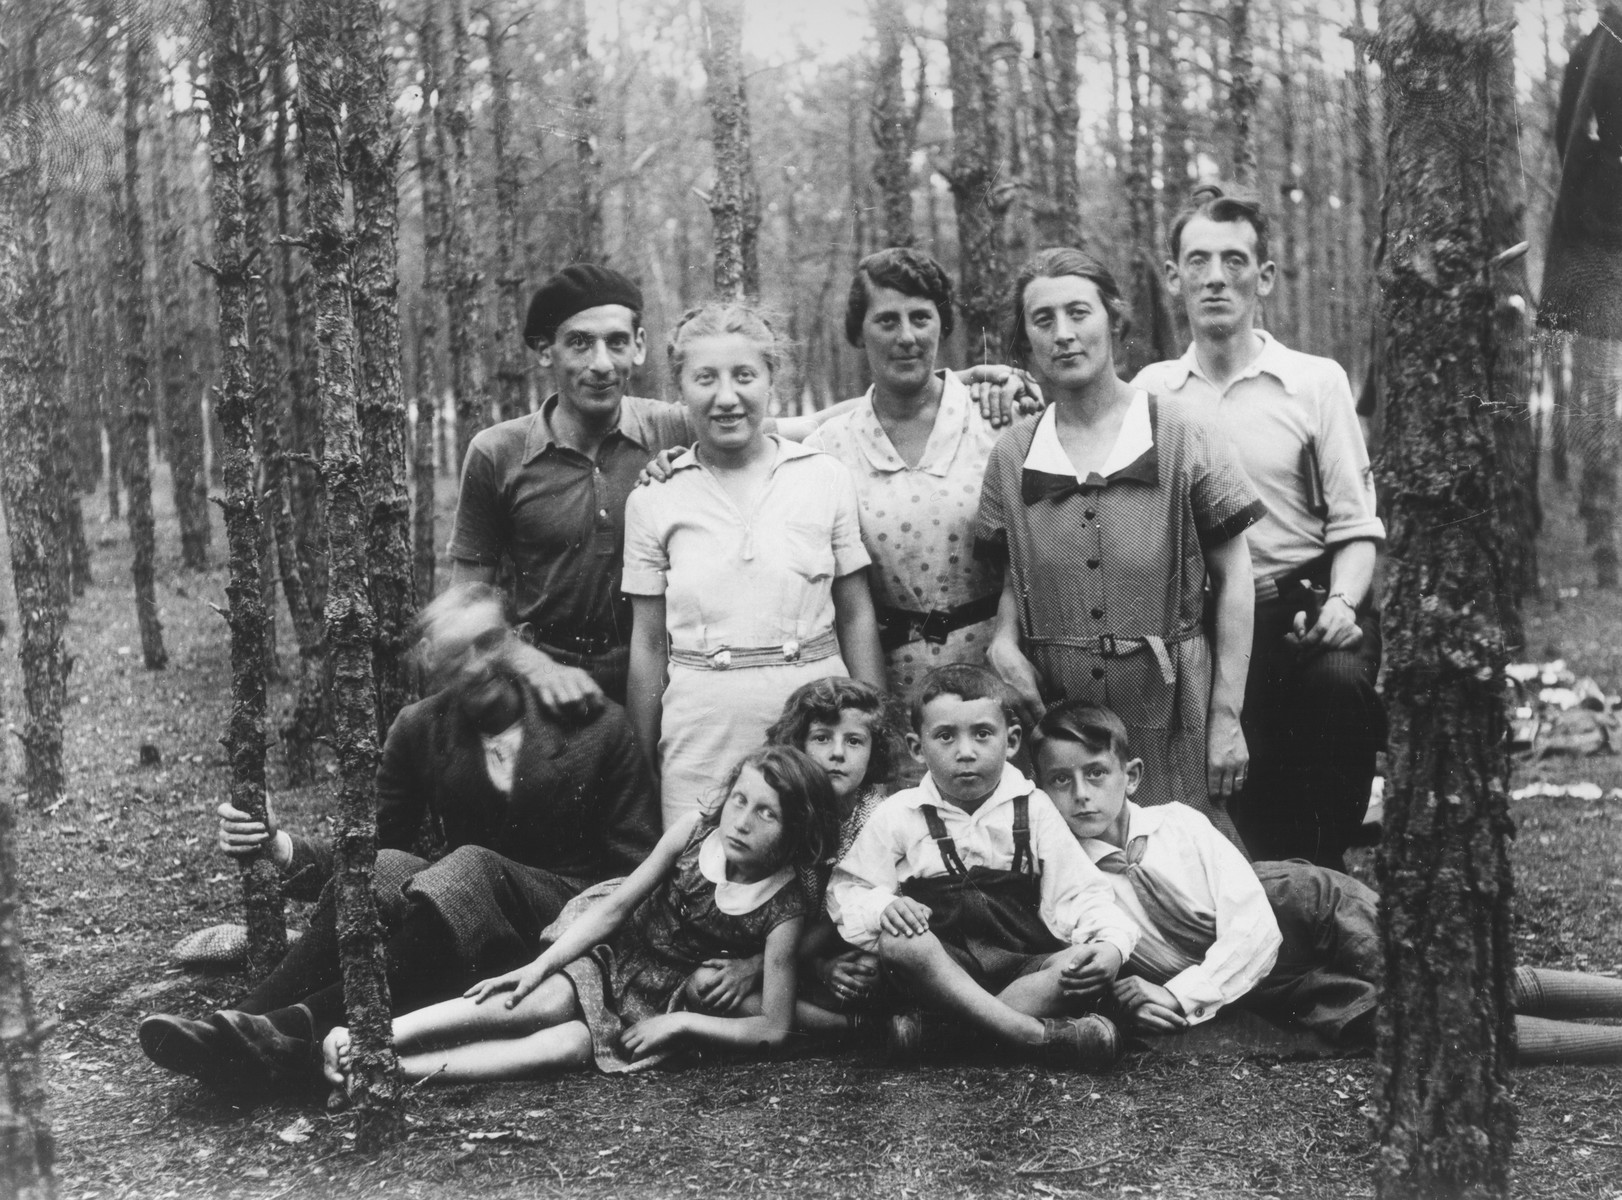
[[720, 659], [791, 651], [1106, 646], [935, 627]]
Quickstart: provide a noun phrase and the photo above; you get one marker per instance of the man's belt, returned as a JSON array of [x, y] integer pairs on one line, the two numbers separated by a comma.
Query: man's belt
[[900, 626], [1313, 572], [734, 658], [556, 637]]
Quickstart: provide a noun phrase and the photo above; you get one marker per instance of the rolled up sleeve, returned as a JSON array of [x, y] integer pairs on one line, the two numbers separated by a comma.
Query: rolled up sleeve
[[1343, 466]]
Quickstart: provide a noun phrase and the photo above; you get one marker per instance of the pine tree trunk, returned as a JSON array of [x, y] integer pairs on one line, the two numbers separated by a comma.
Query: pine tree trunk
[[453, 126], [509, 351], [245, 731], [587, 243], [182, 409], [893, 129], [290, 486], [374, 149], [27, 1148], [1242, 93], [980, 204], [431, 177], [1153, 333], [1065, 228], [350, 622], [735, 202], [1446, 1029], [137, 383], [1287, 313], [28, 413]]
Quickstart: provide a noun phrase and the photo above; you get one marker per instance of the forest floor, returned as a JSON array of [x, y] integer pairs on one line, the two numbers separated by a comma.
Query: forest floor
[[125, 865]]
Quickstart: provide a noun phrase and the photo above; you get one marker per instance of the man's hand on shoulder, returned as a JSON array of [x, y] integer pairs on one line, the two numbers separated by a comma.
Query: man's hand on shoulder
[[659, 468], [239, 835], [1003, 394], [566, 691]]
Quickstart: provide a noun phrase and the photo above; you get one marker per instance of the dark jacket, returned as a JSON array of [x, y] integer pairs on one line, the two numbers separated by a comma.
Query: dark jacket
[[582, 805]]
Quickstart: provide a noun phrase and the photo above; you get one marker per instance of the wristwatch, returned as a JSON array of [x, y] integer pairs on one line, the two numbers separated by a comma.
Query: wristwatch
[[1344, 597]]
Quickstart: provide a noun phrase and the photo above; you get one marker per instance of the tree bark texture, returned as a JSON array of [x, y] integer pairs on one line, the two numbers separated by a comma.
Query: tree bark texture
[[981, 203], [293, 487], [1445, 1029], [245, 730], [27, 1148], [894, 126], [137, 381], [29, 411], [182, 407], [509, 350], [430, 174], [587, 242], [431, 178], [1153, 335], [453, 125], [374, 150], [1061, 225], [1242, 91], [735, 200], [1596, 372], [350, 622]]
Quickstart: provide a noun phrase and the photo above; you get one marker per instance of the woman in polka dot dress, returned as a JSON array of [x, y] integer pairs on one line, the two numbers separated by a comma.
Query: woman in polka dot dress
[[916, 446]]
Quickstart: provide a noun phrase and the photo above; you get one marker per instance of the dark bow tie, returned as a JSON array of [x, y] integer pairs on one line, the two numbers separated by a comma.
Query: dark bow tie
[[1040, 485]]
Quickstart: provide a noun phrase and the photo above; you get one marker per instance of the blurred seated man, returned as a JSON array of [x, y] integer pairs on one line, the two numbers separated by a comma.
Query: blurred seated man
[[529, 811]]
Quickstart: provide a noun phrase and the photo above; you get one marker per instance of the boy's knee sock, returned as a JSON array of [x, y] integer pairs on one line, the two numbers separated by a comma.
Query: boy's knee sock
[[310, 964], [1541, 992], [1538, 1041]]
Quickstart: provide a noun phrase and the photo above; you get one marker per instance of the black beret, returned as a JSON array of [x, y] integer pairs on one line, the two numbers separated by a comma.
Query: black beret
[[572, 290]]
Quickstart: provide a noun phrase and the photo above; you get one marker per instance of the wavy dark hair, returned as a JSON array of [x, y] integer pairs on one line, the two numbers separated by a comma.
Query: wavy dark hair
[[1054, 264], [1214, 203], [823, 700], [1098, 728], [901, 269], [810, 814]]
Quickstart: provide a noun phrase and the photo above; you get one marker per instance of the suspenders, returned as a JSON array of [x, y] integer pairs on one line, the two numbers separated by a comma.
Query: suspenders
[[1024, 860]]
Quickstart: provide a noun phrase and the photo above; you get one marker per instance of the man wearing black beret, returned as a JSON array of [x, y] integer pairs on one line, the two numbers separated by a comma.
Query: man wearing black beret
[[548, 489]]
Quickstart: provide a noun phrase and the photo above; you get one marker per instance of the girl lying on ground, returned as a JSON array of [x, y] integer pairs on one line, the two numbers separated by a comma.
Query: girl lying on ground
[[610, 989]]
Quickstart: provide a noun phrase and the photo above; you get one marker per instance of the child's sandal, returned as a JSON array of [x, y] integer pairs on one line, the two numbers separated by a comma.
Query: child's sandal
[[1087, 1043]]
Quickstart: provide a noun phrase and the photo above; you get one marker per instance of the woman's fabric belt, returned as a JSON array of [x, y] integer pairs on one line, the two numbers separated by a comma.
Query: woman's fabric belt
[[733, 658], [1115, 645], [900, 626]]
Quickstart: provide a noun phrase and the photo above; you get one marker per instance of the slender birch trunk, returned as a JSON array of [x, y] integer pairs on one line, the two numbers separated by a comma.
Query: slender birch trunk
[[508, 331], [431, 178], [735, 202]]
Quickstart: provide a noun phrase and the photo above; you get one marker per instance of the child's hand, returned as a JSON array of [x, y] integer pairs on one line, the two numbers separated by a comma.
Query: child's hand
[[335, 1057], [1151, 1006], [1089, 971], [852, 976], [905, 917], [520, 983], [654, 1034], [720, 984]]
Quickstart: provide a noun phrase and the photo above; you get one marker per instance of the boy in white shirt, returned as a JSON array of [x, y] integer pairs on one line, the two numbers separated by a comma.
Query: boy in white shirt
[[974, 895], [1294, 942]]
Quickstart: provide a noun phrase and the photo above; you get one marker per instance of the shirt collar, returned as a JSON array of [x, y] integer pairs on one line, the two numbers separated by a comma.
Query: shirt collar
[[1013, 784], [731, 897], [1132, 457], [944, 436], [786, 452], [1140, 821], [1273, 360], [630, 425]]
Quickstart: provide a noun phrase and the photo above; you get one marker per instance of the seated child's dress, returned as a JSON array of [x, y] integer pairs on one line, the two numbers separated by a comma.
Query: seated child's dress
[[814, 878], [695, 915]]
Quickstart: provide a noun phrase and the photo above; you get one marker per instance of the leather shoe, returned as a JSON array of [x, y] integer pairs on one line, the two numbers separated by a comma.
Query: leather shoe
[[1089, 1043], [262, 1053], [184, 1046]]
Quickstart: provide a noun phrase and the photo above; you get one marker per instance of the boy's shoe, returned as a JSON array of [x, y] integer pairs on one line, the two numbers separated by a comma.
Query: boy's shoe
[[1089, 1043], [904, 1036]]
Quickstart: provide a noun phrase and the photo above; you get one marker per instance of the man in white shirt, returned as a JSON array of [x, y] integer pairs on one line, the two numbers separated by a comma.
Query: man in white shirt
[[1312, 718]]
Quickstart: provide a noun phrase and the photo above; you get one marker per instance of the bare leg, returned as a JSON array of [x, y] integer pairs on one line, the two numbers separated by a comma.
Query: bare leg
[[461, 1020], [556, 1048], [1039, 994], [933, 975]]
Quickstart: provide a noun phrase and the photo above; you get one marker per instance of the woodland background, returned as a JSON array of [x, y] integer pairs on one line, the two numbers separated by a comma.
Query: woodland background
[[273, 255]]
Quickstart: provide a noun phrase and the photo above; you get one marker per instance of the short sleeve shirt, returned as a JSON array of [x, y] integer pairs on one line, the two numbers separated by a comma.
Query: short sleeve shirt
[[1287, 414], [736, 579], [559, 516]]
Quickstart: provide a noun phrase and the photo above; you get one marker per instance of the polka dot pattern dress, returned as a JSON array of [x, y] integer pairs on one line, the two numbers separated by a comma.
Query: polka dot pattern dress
[[918, 522]]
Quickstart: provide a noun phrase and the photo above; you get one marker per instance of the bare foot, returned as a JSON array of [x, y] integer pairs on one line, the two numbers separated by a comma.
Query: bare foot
[[335, 1057]]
